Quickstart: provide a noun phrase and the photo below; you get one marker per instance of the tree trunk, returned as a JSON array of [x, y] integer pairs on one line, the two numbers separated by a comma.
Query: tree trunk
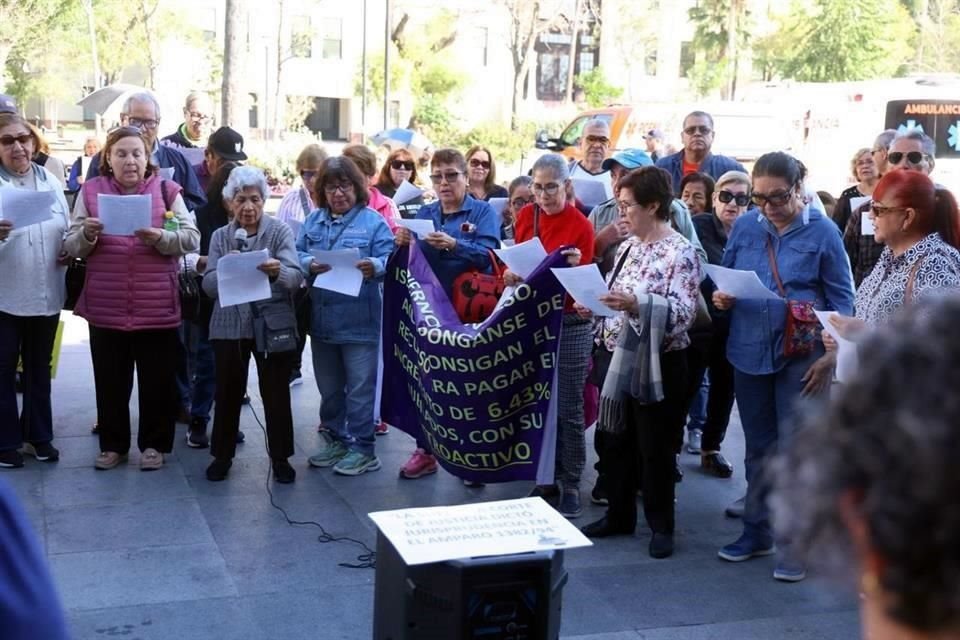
[[732, 25], [574, 41], [145, 17], [277, 110], [92, 28], [233, 113]]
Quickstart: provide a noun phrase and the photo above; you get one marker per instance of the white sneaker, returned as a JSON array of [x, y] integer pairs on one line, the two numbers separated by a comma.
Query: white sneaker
[[694, 440]]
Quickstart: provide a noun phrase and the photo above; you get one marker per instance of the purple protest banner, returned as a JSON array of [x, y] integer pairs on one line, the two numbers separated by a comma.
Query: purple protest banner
[[480, 396]]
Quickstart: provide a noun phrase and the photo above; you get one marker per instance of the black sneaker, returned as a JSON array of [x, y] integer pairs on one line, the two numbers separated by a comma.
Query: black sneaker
[[197, 434], [218, 469], [246, 398], [599, 496], [570, 506], [11, 459], [44, 452], [240, 437], [283, 472]]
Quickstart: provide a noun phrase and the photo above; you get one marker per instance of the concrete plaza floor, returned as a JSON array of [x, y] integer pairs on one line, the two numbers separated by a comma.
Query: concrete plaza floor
[[151, 556]]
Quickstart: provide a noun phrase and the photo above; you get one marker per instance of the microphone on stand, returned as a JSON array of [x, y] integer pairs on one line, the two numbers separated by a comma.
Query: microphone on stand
[[240, 239]]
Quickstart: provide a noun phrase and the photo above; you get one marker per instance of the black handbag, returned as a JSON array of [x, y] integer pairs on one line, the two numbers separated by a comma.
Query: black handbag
[[274, 325], [75, 277], [189, 293]]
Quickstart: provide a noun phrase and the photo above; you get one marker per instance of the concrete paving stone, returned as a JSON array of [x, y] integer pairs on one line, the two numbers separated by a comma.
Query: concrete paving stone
[[178, 573], [341, 612], [820, 626], [73, 529], [122, 485]]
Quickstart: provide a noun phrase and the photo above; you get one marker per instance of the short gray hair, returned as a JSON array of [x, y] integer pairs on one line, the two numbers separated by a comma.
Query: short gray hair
[[734, 177], [141, 96], [926, 142], [555, 163], [243, 177], [884, 140], [596, 122]]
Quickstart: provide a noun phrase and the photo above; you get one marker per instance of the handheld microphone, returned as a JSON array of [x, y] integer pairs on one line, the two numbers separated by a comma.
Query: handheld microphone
[[240, 239]]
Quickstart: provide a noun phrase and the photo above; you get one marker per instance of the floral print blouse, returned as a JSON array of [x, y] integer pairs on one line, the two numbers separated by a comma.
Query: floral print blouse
[[668, 267], [931, 263]]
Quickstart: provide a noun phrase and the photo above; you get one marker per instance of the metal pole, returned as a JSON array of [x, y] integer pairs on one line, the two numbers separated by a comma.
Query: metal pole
[[266, 90], [386, 68], [363, 80]]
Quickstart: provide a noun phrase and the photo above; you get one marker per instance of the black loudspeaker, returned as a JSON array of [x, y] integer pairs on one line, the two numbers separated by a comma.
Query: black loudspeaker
[[509, 597]]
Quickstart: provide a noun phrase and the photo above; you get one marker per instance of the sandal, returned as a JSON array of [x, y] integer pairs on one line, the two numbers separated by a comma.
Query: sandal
[[150, 460], [108, 460]]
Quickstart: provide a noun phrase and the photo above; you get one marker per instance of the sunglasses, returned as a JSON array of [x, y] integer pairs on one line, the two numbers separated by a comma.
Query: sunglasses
[[598, 140], [9, 141], [700, 128], [401, 165], [726, 197], [308, 175], [480, 163], [878, 211], [913, 157], [777, 199], [449, 177]]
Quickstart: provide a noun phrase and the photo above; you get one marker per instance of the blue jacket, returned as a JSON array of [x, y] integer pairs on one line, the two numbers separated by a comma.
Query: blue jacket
[[713, 165], [476, 231], [183, 174], [813, 267], [339, 318]]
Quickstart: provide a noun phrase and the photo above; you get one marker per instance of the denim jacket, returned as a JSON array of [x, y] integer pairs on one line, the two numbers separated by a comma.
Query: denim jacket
[[813, 267], [476, 232], [713, 165], [339, 318]]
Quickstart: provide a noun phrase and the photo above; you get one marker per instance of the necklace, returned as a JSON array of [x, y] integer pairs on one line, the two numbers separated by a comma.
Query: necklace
[[23, 180]]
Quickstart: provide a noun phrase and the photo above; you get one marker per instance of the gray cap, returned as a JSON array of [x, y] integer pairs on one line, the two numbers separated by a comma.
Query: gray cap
[[7, 104]]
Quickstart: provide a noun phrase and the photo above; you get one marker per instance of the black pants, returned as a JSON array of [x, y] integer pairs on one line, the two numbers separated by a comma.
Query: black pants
[[29, 338], [154, 354], [720, 397], [302, 308], [644, 454], [273, 371]]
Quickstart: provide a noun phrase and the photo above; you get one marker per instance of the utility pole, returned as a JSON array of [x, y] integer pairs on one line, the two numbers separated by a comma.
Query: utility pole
[[386, 68], [92, 28], [363, 67]]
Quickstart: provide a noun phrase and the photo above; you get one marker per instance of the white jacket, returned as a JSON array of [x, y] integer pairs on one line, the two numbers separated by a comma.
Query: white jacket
[[32, 282]]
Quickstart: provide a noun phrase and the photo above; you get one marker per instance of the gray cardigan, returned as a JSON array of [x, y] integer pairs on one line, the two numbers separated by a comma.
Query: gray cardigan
[[236, 322]]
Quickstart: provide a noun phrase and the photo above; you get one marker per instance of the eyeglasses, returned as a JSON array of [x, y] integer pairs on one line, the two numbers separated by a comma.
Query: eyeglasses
[[140, 123], [343, 187], [726, 197], [242, 199], [198, 117], [519, 203], [449, 177], [9, 141], [401, 165], [475, 163], [623, 207], [549, 189], [702, 129], [913, 157], [598, 140], [777, 199], [308, 175], [878, 210]]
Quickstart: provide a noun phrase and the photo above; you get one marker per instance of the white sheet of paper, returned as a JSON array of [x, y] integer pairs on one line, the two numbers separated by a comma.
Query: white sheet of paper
[[122, 215], [85, 165], [866, 222], [847, 359], [25, 207], [523, 258], [744, 285], [419, 226], [507, 526], [194, 156], [406, 192], [238, 279], [585, 285], [343, 277], [166, 173], [592, 192], [498, 205]]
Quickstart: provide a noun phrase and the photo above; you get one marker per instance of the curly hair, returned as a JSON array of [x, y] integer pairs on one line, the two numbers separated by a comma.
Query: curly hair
[[889, 440]]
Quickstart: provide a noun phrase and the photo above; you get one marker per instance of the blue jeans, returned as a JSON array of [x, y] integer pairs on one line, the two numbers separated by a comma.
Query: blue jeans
[[204, 375], [698, 407], [346, 379], [768, 406], [186, 353]]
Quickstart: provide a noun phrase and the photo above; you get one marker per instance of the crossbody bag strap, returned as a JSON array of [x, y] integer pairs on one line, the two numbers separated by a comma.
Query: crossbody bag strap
[[304, 202], [620, 263], [346, 223], [773, 266], [911, 281]]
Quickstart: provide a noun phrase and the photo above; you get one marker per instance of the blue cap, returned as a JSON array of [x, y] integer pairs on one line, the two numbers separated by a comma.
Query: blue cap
[[628, 159]]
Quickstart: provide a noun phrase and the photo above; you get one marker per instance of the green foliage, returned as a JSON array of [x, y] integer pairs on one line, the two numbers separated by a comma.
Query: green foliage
[[597, 91], [711, 21], [838, 40]]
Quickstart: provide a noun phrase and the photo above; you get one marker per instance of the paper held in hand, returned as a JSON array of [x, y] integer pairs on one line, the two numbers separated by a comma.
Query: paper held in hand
[[523, 258], [122, 215], [25, 207], [744, 285], [343, 277], [866, 222], [420, 226], [847, 359], [436, 534], [239, 280], [592, 192], [406, 192], [585, 285]]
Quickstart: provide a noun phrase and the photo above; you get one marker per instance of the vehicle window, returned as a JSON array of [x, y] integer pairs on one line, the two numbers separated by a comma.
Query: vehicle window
[[571, 135]]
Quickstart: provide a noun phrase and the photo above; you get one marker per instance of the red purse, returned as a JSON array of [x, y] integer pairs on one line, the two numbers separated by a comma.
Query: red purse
[[475, 294]]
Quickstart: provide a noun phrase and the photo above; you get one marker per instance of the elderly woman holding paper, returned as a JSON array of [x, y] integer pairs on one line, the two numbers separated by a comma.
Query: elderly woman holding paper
[[253, 315], [796, 251], [35, 216], [133, 228], [654, 291], [346, 303]]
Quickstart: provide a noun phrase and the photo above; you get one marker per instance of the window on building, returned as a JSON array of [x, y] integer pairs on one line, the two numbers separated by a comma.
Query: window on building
[[208, 23], [553, 62], [253, 115], [301, 37], [482, 35], [650, 62], [332, 34], [687, 58]]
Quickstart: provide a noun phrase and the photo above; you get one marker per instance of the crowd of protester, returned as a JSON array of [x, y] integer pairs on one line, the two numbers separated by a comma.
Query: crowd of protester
[[668, 219]]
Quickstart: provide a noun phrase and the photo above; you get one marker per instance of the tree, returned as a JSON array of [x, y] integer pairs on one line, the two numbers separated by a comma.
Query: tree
[[636, 39], [721, 32], [528, 20], [231, 97], [597, 91], [829, 42]]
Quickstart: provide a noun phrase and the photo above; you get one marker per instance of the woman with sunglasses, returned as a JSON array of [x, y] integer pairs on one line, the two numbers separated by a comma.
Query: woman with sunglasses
[[31, 296], [797, 253], [482, 175], [731, 197], [298, 203], [398, 167], [519, 195]]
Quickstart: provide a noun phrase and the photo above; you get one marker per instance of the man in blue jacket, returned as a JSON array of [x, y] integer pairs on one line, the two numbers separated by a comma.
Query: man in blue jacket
[[141, 110], [697, 136]]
